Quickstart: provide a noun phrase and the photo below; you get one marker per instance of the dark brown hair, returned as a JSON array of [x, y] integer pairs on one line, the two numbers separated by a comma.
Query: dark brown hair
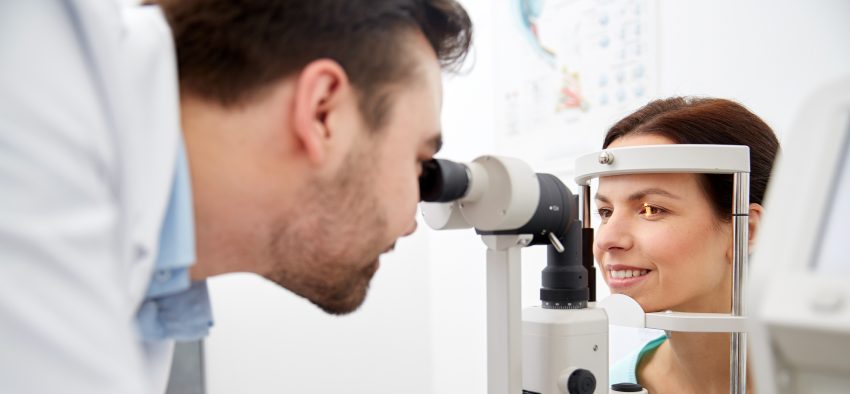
[[688, 120], [229, 50]]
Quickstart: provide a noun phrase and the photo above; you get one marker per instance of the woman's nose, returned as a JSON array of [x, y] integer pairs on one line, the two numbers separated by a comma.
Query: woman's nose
[[614, 234]]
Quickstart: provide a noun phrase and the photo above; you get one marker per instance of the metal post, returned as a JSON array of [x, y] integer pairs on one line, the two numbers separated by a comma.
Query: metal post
[[740, 229], [585, 206], [587, 241], [504, 313]]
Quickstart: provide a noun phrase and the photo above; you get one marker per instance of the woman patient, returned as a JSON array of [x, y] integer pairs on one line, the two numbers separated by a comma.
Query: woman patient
[[666, 239]]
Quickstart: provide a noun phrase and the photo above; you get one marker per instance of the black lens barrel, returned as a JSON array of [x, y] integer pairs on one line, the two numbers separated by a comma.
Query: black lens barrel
[[442, 181]]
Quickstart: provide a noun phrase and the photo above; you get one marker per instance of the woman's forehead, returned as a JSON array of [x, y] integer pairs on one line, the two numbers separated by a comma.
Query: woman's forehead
[[640, 139], [635, 186]]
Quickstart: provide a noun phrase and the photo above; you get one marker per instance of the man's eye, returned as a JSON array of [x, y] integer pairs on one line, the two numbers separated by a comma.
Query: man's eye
[[420, 164]]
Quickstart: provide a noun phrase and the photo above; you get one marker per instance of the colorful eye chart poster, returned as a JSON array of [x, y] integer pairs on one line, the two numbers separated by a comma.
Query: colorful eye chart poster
[[566, 70]]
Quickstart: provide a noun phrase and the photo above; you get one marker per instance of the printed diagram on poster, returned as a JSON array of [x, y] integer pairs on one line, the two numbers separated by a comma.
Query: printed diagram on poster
[[566, 70]]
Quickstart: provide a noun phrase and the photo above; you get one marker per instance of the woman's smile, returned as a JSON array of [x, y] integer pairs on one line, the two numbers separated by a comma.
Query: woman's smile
[[622, 277]]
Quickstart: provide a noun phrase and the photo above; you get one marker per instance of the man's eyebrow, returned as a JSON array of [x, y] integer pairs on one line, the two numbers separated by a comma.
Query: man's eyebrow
[[436, 142], [641, 194]]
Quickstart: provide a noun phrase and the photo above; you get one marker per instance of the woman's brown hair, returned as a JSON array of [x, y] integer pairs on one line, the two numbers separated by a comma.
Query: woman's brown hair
[[688, 120]]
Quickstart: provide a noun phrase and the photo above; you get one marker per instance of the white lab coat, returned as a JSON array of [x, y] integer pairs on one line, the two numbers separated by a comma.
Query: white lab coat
[[89, 128]]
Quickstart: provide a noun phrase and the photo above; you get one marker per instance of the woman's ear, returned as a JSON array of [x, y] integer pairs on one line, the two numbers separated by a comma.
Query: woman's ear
[[756, 210], [754, 218]]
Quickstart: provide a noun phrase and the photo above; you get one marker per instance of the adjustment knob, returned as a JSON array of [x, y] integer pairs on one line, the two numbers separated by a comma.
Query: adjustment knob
[[618, 388], [581, 381]]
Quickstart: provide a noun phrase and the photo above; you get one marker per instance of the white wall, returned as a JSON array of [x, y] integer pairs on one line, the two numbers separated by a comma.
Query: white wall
[[768, 54], [422, 329]]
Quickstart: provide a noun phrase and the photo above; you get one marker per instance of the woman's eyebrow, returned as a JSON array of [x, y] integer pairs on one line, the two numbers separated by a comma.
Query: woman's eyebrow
[[641, 194]]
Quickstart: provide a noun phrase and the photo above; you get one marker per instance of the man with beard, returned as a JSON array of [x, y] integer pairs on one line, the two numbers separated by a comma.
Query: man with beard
[[292, 151]]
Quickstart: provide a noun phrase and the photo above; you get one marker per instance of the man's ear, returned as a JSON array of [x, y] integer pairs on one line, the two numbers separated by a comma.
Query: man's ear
[[318, 89], [756, 210]]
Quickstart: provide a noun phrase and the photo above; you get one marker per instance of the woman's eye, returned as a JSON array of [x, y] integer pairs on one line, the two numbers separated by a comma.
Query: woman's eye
[[650, 211], [605, 213]]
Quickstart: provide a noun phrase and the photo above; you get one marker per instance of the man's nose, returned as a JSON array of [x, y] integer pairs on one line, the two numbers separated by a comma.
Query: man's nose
[[411, 229]]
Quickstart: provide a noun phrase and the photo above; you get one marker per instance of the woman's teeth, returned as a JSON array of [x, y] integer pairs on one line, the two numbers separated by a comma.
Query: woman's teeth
[[627, 273]]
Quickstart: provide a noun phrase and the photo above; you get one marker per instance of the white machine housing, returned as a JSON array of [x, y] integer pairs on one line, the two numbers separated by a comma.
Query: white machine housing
[[801, 269], [556, 342]]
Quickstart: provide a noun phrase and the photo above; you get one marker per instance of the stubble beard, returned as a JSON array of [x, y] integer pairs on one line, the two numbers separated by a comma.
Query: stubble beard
[[327, 249]]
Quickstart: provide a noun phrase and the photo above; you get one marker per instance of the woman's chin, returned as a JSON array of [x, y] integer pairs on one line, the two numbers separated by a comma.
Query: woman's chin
[[647, 306]]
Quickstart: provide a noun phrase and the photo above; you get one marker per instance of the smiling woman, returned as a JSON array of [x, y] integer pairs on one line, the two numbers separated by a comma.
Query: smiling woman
[[666, 239]]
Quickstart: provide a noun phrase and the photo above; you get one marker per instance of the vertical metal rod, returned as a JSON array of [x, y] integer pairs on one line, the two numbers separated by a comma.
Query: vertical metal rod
[[587, 241], [740, 229], [504, 314], [585, 206]]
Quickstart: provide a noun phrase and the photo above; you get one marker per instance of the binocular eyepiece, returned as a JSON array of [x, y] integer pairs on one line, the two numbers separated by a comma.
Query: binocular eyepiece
[[443, 181]]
